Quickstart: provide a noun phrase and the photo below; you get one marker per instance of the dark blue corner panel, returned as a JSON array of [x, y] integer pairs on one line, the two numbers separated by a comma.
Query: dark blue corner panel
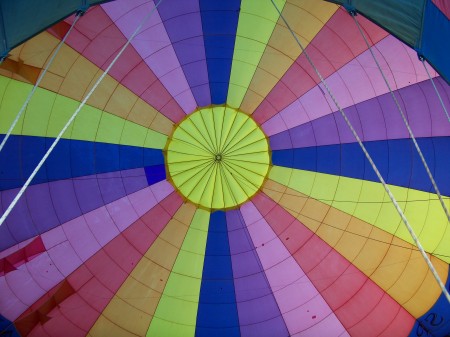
[[436, 321], [7, 328], [435, 40], [155, 173]]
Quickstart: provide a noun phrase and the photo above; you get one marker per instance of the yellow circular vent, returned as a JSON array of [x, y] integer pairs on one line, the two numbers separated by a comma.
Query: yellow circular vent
[[217, 157]]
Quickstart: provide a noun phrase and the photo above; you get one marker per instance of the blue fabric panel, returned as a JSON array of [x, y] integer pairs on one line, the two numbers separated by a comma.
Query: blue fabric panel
[[7, 328], [435, 40], [397, 160], [436, 321], [155, 173], [217, 311], [378, 151], [399, 163], [219, 21], [353, 165], [70, 158]]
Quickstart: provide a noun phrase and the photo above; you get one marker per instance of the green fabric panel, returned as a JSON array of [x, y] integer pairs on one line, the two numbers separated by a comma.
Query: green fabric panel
[[176, 313], [257, 20], [48, 112], [21, 19], [402, 18]]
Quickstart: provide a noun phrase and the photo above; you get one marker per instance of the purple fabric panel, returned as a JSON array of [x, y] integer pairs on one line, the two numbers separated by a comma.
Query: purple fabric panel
[[183, 24], [65, 200], [259, 314], [111, 186], [88, 193], [134, 180], [300, 136], [19, 225], [93, 191], [376, 119], [70, 245], [46, 206]]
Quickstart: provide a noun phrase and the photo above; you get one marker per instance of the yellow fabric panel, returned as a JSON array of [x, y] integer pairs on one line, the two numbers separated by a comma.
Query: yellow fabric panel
[[139, 295], [395, 265], [130, 321], [177, 310], [369, 202], [306, 18], [106, 327], [72, 75], [425, 292], [121, 101], [159, 123], [35, 52], [257, 19]]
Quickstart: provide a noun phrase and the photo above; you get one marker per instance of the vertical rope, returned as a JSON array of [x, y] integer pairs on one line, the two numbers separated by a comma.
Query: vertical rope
[[435, 89], [413, 138], [69, 122], [41, 76], [369, 158]]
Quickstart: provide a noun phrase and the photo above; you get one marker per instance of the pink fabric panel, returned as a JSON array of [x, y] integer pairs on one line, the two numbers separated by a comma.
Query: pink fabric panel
[[27, 284], [294, 114], [321, 330], [300, 303], [154, 46], [75, 242], [355, 299], [300, 78], [356, 82], [98, 278], [12, 299], [98, 39]]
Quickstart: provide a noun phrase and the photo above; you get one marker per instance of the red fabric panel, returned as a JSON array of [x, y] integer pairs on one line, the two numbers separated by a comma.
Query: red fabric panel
[[96, 281], [37, 313], [59, 30], [356, 300], [109, 273], [444, 6], [25, 254], [328, 58], [172, 203], [381, 306], [397, 325], [97, 38]]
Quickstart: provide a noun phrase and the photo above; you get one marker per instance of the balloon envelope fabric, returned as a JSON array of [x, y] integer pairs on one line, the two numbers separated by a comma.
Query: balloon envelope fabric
[[210, 187]]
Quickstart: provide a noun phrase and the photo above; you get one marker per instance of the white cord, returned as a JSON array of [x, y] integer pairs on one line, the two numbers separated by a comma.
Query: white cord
[[413, 138], [435, 89], [369, 158], [55, 142], [41, 76]]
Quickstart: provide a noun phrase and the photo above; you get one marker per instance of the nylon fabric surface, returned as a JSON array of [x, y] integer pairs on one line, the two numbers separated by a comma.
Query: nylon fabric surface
[[209, 187]]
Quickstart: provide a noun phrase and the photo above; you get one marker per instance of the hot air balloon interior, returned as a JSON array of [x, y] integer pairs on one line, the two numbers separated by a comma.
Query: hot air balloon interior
[[254, 168]]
